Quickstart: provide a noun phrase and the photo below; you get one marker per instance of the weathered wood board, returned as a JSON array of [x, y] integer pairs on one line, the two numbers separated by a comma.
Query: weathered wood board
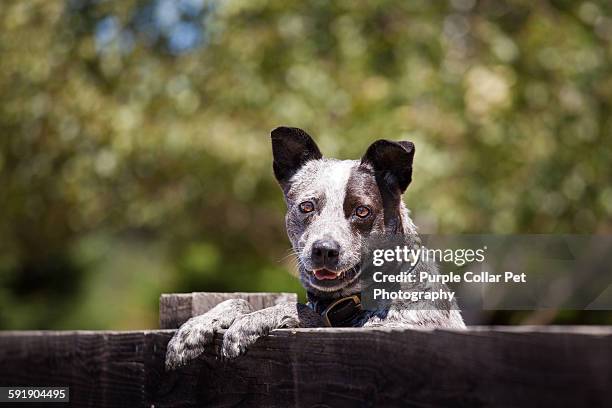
[[526, 366]]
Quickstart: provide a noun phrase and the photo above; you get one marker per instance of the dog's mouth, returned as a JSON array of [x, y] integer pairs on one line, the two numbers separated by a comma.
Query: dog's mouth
[[326, 274], [327, 279]]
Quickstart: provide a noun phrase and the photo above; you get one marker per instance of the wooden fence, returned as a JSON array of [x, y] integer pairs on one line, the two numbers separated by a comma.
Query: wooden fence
[[482, 366]]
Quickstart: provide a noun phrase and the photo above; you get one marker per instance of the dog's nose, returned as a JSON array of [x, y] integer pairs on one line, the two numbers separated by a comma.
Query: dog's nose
[[325, 253]]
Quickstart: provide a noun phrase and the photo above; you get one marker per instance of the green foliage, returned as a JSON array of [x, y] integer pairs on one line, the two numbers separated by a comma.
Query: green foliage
[[135, 158]]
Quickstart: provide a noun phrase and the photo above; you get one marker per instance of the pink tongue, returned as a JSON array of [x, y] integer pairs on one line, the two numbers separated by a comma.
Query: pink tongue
[[324, 274]]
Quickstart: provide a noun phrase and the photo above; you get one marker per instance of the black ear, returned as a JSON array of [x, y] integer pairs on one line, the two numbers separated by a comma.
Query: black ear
[[392, 163], [291, 148]]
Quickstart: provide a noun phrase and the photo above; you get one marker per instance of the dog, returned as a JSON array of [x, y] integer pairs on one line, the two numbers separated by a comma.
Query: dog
[[332, 206]]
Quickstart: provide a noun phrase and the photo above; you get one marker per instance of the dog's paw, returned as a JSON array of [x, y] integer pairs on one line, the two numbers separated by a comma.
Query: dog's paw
[[247, 328], [197, 333], [245, 331], [190, 340]]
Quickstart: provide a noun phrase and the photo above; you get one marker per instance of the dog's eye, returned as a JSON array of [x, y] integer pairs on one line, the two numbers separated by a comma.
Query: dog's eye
[[307, 206], [362, 211]]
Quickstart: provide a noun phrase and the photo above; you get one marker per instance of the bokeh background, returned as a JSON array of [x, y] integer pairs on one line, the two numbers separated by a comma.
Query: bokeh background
[[134, 135]]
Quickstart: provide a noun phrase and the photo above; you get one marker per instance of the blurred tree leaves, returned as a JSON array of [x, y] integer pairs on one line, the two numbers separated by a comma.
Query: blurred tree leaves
[[137, 130]]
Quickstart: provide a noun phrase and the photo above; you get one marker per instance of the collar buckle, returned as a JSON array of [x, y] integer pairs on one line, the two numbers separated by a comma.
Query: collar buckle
[[342, 311]]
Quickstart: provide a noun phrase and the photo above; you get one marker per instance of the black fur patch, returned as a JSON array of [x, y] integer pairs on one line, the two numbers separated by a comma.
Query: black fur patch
[[392, 161], [391, 164], [291, 148], [362, 189]]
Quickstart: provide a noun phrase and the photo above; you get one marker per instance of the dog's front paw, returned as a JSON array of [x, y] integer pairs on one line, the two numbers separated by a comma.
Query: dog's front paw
[[192, 337], [190, 340], [248, 328], [244, 332]]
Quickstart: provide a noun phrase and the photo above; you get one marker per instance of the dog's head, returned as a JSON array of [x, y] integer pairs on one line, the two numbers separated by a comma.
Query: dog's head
[[333, 205]]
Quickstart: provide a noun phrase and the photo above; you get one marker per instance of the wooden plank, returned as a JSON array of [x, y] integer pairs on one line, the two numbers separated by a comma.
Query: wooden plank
[[324, 367], [176, 308], [101, 369]]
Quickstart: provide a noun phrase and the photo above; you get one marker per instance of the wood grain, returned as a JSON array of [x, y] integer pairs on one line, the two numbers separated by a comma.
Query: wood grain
[[558, 366]]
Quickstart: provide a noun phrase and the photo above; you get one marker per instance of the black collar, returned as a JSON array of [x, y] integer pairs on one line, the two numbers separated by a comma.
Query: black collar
[[342, 312]]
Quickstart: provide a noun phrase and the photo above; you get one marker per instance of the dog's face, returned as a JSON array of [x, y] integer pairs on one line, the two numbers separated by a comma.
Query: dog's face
[[333, 205]]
